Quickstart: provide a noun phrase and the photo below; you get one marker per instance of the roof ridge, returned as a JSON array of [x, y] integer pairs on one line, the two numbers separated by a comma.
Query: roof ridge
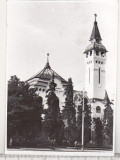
[[35, 75], [58, 75], [40, 73]]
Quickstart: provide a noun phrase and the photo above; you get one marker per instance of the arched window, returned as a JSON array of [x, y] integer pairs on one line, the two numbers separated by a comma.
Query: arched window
[[89, 75], [86, 55], [98, 109], [97, 53], [40, 101], [102, 54], [99, 75], [90, 53]]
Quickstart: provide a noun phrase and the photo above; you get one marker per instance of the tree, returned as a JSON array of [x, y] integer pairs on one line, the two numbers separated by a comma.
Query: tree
[[79, 123], [87, 121], [53, 123], [20, 94], [108, 120], [24, 109], [98, 126], [69, 112]]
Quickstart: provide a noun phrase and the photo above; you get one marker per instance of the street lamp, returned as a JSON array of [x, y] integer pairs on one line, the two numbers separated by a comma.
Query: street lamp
[[83, 108]]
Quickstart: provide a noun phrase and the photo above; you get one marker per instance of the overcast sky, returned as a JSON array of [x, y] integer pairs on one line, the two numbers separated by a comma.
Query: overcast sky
[[62, 29]]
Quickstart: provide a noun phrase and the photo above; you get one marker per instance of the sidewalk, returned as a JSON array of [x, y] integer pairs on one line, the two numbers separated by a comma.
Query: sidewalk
[[58, 149]]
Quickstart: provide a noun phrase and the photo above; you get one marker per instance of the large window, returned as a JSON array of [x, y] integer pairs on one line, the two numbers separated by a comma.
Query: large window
[[90, 53], [97, 53], [86, 55], [89, 75], [102, 54], [99, 75], [98, 109], [40, 100]]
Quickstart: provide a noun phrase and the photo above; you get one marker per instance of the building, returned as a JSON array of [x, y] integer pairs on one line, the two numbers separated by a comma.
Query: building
[[41, 82], [95, 72], [95, 59]]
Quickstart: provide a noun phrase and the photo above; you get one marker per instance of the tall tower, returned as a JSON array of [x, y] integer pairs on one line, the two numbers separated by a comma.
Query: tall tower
[[95, 59]]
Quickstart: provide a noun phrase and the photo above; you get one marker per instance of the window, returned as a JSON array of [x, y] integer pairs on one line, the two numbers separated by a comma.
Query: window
[[96, 61], [98, 109], [97, 53], [99, 75], [86, 55], [90, 53], [40, 100], [89, 75], [102, 54]]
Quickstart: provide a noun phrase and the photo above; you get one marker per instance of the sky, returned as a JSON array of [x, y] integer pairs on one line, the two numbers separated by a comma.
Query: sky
[[62, 29]]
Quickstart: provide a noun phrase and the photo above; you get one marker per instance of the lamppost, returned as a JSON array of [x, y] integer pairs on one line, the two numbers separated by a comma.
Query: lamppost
[[83, 108]]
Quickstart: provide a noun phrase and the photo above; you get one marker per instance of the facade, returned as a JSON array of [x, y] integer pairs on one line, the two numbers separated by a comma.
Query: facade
[[95, 59], [41, 82]]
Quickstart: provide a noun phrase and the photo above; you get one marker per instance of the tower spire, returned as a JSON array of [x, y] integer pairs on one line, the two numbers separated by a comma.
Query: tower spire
[[47, 57], [95, 16], [95, 35], [47, 66]]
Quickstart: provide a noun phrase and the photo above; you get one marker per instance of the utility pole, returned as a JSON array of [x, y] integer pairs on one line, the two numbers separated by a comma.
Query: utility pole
[[83, 106]]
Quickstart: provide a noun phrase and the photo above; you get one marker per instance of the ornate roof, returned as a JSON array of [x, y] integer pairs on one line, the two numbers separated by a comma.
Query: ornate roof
[[96, 46], [105, 100], [45, 75], [95, 39]]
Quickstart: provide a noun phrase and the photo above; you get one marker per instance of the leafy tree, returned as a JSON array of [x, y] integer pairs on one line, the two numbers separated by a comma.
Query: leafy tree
[[108, 120], [20, 94], [53, 123], [87, 121], [98, 126], [24, 109], [69, 112]]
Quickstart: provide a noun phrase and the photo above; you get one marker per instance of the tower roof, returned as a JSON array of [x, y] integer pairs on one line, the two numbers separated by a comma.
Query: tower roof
[[96, 46], [95, 40], [46, 73], [95, 35]]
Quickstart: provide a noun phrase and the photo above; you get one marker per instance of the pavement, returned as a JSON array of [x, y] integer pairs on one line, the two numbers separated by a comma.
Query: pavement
[[67, 149]]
